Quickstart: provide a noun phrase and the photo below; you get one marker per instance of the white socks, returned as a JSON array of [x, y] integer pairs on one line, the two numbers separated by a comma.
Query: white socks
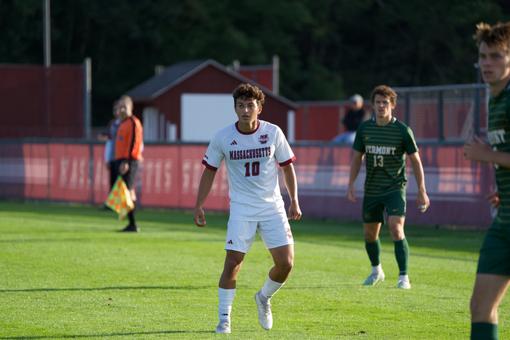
[[226, 298], [377, 269], [269, 288]]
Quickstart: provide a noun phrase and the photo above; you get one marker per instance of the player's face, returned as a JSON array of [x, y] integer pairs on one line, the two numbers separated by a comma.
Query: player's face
[[383, 107], [125, 109], [247, 110], [494, 64]]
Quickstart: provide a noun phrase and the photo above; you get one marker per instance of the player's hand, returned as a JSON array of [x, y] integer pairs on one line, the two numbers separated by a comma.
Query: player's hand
[[295, 211], [351, 193], [123, 168], [199, 217], [493, 199], [422, 201], [477, 150]]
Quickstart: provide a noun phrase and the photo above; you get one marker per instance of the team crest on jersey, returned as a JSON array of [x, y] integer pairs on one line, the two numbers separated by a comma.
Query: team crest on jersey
[[263, 139]]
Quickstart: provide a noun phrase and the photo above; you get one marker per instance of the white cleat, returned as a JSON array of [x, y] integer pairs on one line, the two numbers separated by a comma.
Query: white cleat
[[264, 310], [223, 327], [403, 283], [374, 279]]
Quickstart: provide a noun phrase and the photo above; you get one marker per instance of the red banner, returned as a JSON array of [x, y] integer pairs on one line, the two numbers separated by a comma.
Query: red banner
[[170, 174]]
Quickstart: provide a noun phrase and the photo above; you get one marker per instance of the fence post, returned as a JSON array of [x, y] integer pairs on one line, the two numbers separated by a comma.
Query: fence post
[[91, 173], [476, 111], [87, 90], [407, 112], [440, 114]]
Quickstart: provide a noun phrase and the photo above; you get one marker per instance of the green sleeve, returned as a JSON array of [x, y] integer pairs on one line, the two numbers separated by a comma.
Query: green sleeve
[[358, 144], [410, 146]]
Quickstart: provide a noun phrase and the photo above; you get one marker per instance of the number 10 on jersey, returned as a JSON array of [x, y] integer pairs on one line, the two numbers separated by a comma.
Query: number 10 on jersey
[[252, 169]]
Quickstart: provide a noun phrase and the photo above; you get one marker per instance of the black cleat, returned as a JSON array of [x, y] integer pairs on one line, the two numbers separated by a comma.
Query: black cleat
[[130, 228]]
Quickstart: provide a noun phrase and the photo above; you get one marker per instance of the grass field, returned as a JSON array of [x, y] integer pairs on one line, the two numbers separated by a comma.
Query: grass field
[[66, 273]]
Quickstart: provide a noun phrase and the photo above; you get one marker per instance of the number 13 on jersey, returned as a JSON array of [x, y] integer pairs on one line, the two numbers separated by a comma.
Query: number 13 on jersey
[[378, 161]]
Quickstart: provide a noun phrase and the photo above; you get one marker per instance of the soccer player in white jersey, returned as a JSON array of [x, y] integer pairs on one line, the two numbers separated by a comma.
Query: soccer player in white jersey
[[253, 150]]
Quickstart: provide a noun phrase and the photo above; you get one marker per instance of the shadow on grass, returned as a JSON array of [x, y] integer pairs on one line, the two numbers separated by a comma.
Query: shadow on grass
[[101, 335], [71, 289], [43, 240], [330, 232]]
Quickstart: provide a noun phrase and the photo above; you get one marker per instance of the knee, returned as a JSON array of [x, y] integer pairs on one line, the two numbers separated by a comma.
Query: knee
[[398, 235], [397, 232], [232, 265], [370, 236], [286, 264]]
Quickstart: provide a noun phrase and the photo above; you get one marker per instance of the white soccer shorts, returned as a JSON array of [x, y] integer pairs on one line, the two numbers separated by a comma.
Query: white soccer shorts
[[274, 232]]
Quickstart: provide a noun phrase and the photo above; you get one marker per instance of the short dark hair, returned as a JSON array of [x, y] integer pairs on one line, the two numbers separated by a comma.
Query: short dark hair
[[497, 35], [385, 91], [248, 91]]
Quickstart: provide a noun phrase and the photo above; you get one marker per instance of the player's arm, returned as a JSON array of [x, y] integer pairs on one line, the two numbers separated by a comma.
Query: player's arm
[[422, 200], [357, 158], [206, 182], [478, 150], [289, 176]]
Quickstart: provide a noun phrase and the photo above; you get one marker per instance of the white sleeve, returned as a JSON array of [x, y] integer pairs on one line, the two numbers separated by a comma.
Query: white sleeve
[[214, 154], [283, 152]]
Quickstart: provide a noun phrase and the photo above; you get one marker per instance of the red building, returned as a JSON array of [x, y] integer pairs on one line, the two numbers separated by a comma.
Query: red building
[[189, 101]]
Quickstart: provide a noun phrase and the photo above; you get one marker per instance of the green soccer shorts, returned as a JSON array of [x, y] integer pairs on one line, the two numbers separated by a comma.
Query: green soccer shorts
[[495, 252], [394, 203]]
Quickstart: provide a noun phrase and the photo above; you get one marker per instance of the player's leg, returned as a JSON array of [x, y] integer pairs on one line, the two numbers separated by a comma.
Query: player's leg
[[113, 171], [239, 238], [373, 218], [395, 203], [227, 289], [492, 280], [129, 177], [283, 258], [396, 226], [373, 248], [488, 292], [277, 236]]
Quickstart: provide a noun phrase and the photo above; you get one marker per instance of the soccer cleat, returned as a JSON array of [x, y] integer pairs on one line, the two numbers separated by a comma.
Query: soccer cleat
[[403, 283], [223, 327], [374, 279], [131, 228], [264, 311]]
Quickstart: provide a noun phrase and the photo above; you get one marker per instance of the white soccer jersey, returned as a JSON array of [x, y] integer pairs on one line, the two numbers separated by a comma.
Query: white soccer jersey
[[251, 160]]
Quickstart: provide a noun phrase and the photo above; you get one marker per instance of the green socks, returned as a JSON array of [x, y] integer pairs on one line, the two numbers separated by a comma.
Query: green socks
[[402, 255], [373, 251], [484, 331]]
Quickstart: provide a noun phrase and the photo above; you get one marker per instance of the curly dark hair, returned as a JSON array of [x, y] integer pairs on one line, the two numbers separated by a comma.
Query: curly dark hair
[[385, 91], [248, 91]]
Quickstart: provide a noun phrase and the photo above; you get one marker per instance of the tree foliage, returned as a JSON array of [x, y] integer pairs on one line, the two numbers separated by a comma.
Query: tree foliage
[[328, 49]]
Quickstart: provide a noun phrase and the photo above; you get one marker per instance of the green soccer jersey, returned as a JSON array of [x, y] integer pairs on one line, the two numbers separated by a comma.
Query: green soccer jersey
[[385, 148], [499, 138]]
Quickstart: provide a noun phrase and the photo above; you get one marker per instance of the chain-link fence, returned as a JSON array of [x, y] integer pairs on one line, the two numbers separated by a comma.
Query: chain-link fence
[[450, 113]]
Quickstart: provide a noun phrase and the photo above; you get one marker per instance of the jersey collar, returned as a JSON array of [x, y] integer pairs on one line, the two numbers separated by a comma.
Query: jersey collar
[[247, 133]]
